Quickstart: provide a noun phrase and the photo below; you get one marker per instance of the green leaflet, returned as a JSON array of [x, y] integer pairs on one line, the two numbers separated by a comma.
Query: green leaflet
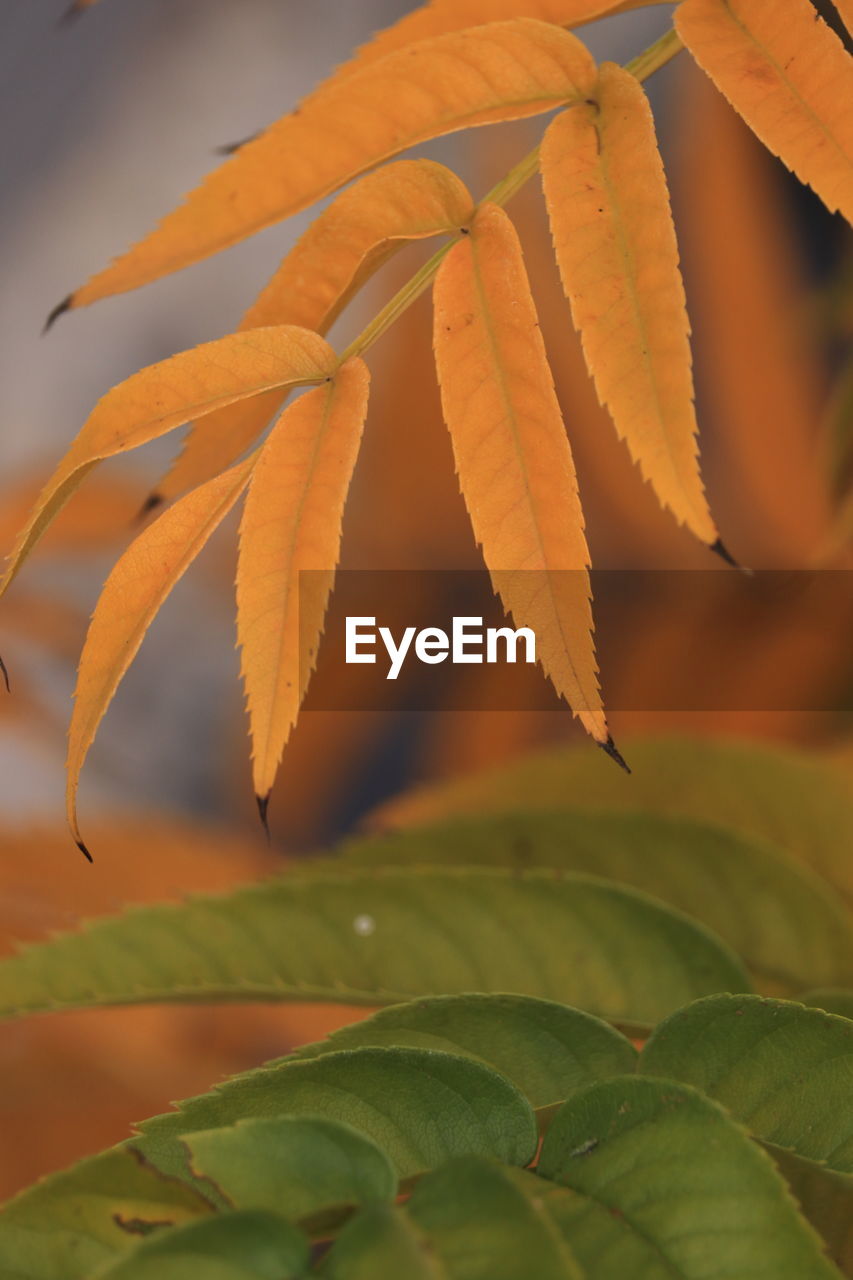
[[470, 1220], [66, 1226], [797, 802], [781, 1069], [546, 1050], [292, 1165], [670, 1188], [831, 1001], [420, 1106], [393, 934], [235, 1246], [826, 1199], [783, 921]]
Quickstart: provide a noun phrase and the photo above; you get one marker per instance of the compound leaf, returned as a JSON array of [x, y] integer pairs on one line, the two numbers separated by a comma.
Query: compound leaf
[[614, 238], [290, 537], [501, 71], [789, 76], [512, 455]]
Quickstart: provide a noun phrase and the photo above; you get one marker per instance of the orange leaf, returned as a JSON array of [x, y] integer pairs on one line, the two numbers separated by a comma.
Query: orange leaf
[[349, 240], [129, 602], [292, 523], [610, 218], [513, 458], [788, 75], [441, 16], [502, 71], [173, 392]]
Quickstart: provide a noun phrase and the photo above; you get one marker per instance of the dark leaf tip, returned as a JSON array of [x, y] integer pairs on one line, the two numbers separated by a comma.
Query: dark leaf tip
[[5, 674], [59, 310], [263, 806], [720, 549], [85, 852], [610, 749], [151, 503]]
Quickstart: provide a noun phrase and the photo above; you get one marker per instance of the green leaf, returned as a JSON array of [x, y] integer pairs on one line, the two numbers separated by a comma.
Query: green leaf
[[669, 1187], [292, 1165], [545, 1049], [420, 1106], [469, 1220], [783, 1070], [831, 1001], [793, 800], [74, 1221], [788, 925], [383, 936], [826, 1199], [235, 1246]]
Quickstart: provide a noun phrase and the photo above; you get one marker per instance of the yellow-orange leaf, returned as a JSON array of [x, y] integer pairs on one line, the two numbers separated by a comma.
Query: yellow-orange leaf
[[173, 392], [292, 525], [501, 71], [789, 76], [441, 16], [610, 218], [129, 602], [512, 455], [350, 239]]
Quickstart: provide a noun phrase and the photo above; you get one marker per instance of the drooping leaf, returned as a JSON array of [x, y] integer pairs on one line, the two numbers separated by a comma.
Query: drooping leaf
[[789, 76], [131, 599], [292, 1165], [421, 1107], [610, 217], [546, 1049], [670, 1188], [501, 71], [382, 937], [477, 1219], [826, 1199], [72, 1222], [778, 916], [345, 244], [166, 395], [783, 1070], [795, 801], [234, 1246], [290, 537], [512, 455]]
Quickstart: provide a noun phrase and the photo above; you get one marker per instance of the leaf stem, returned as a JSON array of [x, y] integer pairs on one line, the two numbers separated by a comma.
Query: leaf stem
[[657, 55]]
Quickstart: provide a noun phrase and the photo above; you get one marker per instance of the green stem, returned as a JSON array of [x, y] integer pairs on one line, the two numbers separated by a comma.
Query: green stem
[[644, 65]]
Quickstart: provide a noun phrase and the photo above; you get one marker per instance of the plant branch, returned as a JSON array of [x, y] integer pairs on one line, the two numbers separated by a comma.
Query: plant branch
[[644, 65]]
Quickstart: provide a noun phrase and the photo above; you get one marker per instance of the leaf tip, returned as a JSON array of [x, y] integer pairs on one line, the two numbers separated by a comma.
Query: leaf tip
[[720, 549], [230, 148], [263, 806], [151, 503], [59, 310], [610, 749], [5, 675], [85, 852]]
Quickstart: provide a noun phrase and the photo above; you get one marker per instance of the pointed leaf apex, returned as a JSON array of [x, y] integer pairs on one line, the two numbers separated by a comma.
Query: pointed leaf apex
[[720, 549], [5, 674], [263, 806], [61, 307], [610, 749], [151, 503], [85, 852]]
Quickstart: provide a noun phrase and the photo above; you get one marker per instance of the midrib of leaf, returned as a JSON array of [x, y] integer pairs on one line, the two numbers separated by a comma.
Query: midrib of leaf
[[783, 75], [521, 455], [645, 64]]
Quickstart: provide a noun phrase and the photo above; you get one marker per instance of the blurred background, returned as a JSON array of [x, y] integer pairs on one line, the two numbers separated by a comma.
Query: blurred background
[[106, 121]]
